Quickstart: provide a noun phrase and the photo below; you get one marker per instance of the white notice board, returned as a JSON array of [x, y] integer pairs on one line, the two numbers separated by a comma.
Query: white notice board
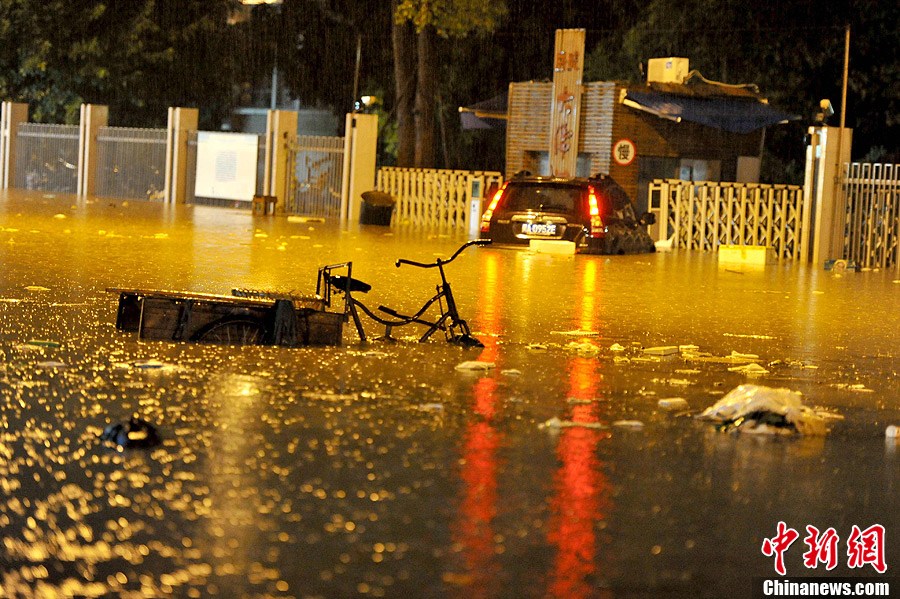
[[226, 165]]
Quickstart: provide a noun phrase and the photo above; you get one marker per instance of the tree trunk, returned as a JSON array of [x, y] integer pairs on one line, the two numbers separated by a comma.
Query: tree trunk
[[403, 39], [426, 92]]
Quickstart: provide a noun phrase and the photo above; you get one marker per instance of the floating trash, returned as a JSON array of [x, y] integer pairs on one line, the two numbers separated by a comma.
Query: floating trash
[[576, 333], [36, 288], [136, 433], [42, 343], [739, 356], [616, 347], [857, 387], [673, 403], [511, 372], [148, 364], [51, 364], [537, 346], [629, 424], [663, 350], [474, 366], [556, 423], [752, 369], [765, 410]]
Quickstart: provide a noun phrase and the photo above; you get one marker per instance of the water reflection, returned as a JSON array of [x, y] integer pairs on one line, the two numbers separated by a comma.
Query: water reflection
[[473, 531], [579, 502]]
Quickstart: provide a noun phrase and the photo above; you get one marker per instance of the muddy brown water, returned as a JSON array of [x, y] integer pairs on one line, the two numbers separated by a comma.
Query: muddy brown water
[[382, 470]]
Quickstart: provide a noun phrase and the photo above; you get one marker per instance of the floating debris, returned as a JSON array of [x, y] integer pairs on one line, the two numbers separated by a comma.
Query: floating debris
[[556, 423], [576, 333], [742, 336], [511, 372], [537, 346], [51, 364], [663, 350], [36, 288], [766, 410], [136, 433], [474, 366], [42, 343], [583, 348], [629, 424], [858, 387], [431, 407], [148, 364], [616, 347], [739, 356], [673, 403], [751, 369]]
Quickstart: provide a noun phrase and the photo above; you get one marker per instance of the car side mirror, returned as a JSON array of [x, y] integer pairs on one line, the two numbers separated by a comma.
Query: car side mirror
[[647, 219]]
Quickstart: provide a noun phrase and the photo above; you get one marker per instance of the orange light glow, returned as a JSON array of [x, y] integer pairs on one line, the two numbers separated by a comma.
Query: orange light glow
[[493, 205], [592, 199]]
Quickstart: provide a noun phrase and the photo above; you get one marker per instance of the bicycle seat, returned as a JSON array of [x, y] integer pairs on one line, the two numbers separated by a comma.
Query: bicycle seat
[[342, 283]]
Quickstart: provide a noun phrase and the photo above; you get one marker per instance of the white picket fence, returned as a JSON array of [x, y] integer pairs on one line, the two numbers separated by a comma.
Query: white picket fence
[[703, 215], [436, 198], [872, 198]]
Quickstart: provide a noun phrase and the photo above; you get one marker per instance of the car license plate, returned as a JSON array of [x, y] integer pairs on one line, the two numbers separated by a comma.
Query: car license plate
[[539, 229]]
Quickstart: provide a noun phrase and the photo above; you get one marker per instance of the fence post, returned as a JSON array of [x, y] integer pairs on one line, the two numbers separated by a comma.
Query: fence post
[[93, 116], [361, 138], [11, 115], [474, 195], [181, 122], [823, 203], [281, 136]]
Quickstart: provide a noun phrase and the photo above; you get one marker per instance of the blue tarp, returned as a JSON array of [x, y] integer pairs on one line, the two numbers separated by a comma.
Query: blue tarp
[[729, 114]]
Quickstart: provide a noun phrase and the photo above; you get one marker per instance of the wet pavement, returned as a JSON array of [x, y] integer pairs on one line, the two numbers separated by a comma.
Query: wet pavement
[[380, 469]]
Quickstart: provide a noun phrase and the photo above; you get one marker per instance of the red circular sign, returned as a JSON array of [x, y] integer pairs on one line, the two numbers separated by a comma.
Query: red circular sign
[[624, 152]]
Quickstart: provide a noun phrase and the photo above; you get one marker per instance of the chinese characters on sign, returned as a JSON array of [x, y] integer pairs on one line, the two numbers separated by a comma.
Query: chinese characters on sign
[[624, 152], [864, 547], [568, 64], [567, 61]]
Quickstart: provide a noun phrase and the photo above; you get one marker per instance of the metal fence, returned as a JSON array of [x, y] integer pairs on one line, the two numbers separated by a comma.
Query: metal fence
[[702, 215], [872, 197], [131, 162], [318, 174], [434, 198], [47, 157]]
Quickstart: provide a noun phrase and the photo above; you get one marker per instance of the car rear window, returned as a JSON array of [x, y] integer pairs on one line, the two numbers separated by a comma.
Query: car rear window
[[542, 197]]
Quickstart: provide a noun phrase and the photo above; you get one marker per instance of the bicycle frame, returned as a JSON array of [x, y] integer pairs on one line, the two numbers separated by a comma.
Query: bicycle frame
[[455, 329]]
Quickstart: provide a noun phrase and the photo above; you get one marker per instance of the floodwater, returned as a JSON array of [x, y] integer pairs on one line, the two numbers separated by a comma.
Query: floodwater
[[379, 469]]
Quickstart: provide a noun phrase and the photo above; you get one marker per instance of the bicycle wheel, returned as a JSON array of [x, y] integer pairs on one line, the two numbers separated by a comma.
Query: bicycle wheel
[[231, 332]]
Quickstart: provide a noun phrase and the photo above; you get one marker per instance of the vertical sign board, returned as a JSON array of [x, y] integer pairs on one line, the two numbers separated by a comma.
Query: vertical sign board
[[568, 65], [226, 165]]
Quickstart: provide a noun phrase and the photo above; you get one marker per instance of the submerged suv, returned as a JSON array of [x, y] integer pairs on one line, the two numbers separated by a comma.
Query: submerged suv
[[595, 213]]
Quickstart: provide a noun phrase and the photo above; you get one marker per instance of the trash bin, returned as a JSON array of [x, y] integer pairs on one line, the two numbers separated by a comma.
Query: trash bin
[[377, 208]]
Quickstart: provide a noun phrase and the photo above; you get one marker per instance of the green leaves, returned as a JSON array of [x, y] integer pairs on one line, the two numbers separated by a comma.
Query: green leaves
[[451, 18]]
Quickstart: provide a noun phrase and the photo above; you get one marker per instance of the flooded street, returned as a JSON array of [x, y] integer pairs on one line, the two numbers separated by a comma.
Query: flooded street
[[380, 469]]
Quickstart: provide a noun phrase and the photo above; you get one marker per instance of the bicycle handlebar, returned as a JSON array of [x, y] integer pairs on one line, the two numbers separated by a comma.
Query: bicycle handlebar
[[440, 262]]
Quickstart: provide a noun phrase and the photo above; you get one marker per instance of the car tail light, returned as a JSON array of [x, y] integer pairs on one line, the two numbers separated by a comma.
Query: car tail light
[[486, 217], [594, 207]]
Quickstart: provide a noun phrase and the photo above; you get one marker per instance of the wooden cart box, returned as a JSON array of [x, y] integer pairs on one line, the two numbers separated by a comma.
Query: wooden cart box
[[227, 319]]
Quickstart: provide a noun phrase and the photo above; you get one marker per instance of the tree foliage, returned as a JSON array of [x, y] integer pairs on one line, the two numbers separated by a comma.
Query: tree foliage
[[451, 18], [793, 50]]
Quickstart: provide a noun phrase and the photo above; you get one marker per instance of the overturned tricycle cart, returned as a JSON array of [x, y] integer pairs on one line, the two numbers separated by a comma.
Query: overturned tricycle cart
[[259, 317]]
